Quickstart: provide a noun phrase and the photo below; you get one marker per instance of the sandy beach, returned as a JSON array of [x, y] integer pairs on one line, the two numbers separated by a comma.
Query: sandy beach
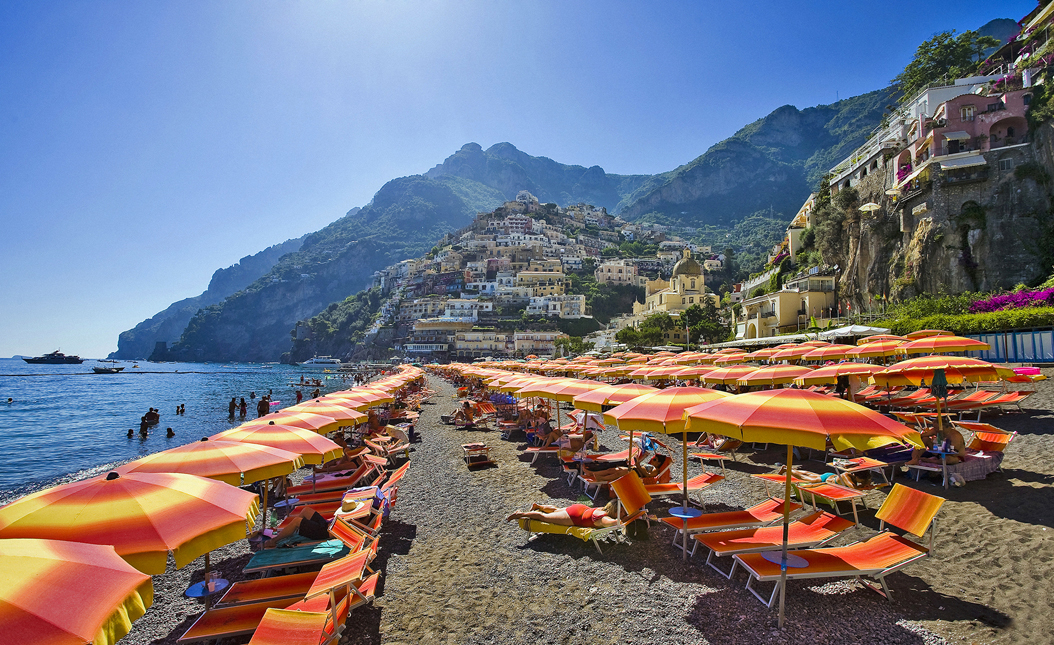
[[456, 572]]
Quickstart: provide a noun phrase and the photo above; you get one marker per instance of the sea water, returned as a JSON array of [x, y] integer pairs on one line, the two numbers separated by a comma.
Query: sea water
[[67, 422]]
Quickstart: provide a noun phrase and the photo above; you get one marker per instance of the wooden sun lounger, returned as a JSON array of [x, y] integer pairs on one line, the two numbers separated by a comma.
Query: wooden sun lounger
[[908, 509], [811, 530]]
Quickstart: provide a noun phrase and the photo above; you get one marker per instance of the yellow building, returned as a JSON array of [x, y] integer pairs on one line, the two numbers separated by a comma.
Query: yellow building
[[541, 283], [684, 289]]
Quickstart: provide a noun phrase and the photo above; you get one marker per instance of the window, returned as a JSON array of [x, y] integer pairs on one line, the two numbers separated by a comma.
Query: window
[[966, 113], [1026, 99], [1006, 164], [691, 299], [693, 284]]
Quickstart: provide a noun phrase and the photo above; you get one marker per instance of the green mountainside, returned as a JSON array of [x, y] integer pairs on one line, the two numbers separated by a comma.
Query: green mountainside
[[771, 164], [169, 324]]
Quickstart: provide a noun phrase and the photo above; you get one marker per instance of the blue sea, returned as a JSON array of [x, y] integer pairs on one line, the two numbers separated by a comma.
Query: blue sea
[[66, 422]]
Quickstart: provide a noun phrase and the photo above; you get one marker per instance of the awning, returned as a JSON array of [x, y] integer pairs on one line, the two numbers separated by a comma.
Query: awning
[[958, 135], [918, 171], [963, 162]]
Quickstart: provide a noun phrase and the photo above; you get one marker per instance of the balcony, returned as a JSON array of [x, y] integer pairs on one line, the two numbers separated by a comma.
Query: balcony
[[966, 176]]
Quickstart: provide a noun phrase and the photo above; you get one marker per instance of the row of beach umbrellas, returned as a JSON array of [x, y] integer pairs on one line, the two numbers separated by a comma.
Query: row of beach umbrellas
[[76, 559]]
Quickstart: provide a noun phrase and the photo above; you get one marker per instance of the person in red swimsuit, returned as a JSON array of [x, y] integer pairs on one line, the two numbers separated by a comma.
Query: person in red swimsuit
[[573, 515]]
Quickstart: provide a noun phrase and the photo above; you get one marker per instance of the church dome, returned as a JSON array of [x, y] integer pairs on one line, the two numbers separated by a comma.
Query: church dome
[[687, 266]]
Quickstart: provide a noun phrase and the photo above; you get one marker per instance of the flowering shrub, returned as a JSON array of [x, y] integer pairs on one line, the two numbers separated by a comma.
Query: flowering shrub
[[1014, 300]]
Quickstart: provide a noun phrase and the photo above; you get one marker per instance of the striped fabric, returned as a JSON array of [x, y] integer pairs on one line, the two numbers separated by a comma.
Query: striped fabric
[[143, 515], [811, 529], [55, 593], [286, 627], [909, 509], [661, 411], [631, 492], [881, 552], [312, 447], [231, 462]]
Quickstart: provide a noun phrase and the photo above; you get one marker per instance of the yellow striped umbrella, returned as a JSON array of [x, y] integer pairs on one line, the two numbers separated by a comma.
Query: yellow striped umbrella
[[830, 373], [926, 333], [144, 516], [664, 372], [914, 370], [231, 462], [68, 593], [728, 375], [642, 372], [879, 348], [339, 409], [730, 359], [797, 418], [942, 344], [611, 395], [872, 339], [792, 353], [313, 447], [816, 343], [773, 375], [568, 390], [829, 353], [694, 371], [762, 354], [663, 412], [319, 423]]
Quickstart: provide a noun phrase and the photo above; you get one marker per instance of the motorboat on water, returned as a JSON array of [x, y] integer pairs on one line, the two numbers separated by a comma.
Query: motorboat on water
[[107, 367], [322, 360], [55, 358]]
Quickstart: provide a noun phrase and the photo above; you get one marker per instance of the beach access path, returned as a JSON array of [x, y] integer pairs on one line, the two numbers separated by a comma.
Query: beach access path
[[456, 572]]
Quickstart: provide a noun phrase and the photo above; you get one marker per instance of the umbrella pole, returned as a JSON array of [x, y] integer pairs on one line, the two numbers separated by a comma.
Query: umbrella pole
[[206, 583], [263, 530], [786, 531], [684, 502]]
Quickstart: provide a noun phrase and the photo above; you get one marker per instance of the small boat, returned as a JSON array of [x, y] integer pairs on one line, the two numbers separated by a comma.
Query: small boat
[[106, 370], [55, 358]]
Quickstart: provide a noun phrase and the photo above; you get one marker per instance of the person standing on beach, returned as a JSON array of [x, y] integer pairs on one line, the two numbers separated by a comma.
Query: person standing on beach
[[231, 408]]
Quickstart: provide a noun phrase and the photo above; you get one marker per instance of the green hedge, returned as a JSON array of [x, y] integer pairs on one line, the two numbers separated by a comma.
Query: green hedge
[[964, 324]]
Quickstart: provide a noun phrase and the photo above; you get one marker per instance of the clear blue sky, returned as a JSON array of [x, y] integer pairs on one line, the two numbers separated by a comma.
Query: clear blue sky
[[143, 145]]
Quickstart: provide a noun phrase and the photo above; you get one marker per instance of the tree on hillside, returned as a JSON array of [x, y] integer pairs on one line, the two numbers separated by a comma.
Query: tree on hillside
[[945, 56], [649, 333], [573, 345], [704, 323]]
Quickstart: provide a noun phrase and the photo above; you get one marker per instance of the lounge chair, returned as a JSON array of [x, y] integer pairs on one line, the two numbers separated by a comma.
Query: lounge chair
[[588, 479], [761, 514], [812, 530], [905, 508], [345, 576], [632, 501], [389, 452], [695, 485], [336, 483], [727, 449], [832, 494]]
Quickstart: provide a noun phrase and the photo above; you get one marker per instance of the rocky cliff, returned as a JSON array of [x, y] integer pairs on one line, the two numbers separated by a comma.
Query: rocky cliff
[[168, 325]]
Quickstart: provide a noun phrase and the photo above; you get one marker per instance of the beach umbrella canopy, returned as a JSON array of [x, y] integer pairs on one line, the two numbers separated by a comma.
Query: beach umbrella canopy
[[312, 447], [942, 344], [232, 462], [610, 395], [569, 389], [319, 423], [877, 337], [830, 373], [797, 418], [68, 593], [875, 349], [728, 375], [762, 354], [371, 396], [694, 371], [828, 353], [926, 333], [915, 370], [773, 375], [792, 353], [339, 409], [144, 516], [730, 359]]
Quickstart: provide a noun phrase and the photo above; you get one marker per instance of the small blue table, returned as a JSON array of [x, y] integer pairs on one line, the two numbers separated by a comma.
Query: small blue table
[[199, 591], [685, 514]]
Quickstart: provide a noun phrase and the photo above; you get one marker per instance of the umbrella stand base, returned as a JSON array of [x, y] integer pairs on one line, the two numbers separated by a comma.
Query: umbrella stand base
[[776, 557]]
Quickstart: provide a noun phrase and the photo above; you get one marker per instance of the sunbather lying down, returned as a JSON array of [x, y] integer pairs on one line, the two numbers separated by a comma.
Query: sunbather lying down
[[573, 515], [306, 522], [649, 465], [860, 479]]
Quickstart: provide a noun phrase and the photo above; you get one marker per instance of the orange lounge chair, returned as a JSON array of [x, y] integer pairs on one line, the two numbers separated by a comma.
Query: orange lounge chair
[[695, 485], [388, 452], [262, 589], [633, 498], [588, 479], [811, 530], [908, 509], [832, 494], [344, 575], [761, 514], [727, 449], [336, 483]]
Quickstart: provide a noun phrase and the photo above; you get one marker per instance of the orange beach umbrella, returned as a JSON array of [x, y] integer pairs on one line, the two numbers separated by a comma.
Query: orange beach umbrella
[[797, 418], [319, 423], [611, 395], [232, 462], [728, 375], [942, 344], [830, 373], [339, 409], [311, 446], [773, 375], [144, 516], [68, 593]]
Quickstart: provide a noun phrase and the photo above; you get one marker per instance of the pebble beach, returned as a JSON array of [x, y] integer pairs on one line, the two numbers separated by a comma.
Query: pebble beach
[[455, 572]]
